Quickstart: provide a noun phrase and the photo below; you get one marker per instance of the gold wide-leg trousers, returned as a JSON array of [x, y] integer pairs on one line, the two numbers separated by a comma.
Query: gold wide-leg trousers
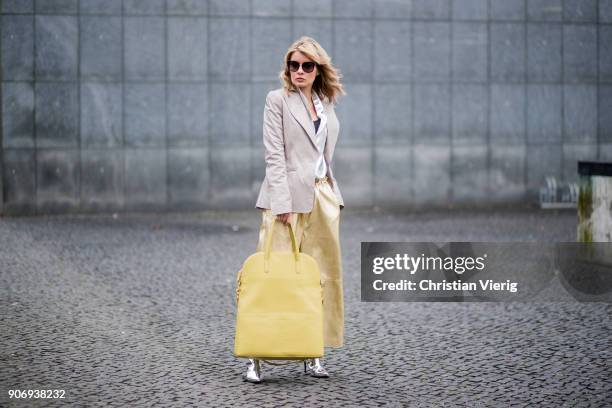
[[318, 235]]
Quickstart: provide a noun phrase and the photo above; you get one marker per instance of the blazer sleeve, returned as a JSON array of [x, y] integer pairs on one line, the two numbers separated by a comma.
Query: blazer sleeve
[[274, 144]]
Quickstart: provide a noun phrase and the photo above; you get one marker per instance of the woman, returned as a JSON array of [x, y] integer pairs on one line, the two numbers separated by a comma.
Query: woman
[[300, 130]]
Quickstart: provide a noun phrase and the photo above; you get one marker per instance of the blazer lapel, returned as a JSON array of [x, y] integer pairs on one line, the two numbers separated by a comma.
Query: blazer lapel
[[299, 110]]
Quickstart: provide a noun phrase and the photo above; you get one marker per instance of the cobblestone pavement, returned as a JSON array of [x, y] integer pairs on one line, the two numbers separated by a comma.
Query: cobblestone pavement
[[138, 311]]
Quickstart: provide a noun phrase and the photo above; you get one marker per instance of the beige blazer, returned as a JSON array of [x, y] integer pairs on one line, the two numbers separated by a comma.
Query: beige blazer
[[291, 154]]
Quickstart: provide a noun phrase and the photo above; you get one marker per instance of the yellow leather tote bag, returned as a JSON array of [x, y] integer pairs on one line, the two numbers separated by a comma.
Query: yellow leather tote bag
[[279, 314]]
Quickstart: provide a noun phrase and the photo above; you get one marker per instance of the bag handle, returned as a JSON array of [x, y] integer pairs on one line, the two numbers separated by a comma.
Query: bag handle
[[268, 245]]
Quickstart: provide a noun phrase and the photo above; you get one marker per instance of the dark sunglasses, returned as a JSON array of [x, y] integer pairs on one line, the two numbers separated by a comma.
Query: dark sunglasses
[[308, 66]]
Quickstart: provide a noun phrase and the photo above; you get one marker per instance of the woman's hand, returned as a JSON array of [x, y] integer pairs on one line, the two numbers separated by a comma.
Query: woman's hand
[[284, 218]]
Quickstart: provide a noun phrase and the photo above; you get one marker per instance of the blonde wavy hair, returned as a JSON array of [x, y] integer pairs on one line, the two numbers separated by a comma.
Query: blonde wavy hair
[[327, 83]]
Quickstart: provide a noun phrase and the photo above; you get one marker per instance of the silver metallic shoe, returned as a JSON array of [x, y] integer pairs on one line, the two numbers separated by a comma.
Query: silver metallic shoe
[[253, 373], [313, 367]]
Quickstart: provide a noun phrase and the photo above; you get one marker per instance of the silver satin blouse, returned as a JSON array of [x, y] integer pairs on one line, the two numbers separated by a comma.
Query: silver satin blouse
[[321, 133]]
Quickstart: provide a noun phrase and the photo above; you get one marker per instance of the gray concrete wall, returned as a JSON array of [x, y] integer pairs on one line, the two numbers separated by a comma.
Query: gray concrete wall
[[111, 105]]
